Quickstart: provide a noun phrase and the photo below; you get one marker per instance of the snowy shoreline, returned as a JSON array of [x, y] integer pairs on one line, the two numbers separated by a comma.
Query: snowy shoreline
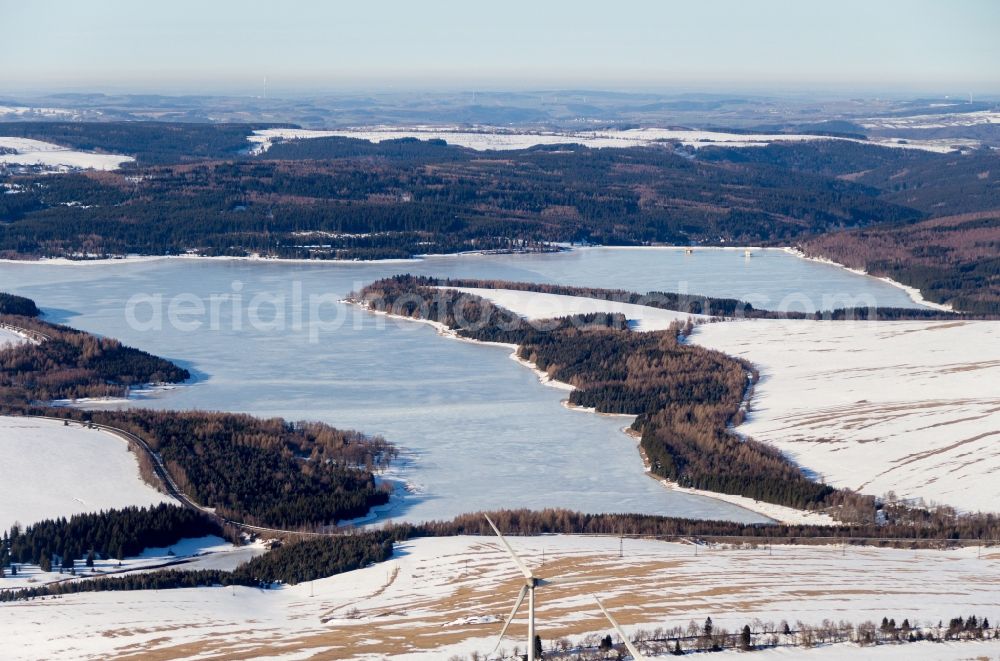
[[912, 292], [778, 513]]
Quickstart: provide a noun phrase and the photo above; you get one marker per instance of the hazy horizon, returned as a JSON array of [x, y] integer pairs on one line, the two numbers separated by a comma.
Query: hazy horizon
[[719, 46]]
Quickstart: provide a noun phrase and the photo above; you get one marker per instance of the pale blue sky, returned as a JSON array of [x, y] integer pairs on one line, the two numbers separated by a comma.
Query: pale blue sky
[[215, 46]]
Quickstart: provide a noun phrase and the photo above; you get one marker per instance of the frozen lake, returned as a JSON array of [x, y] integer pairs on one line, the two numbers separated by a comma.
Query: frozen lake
[[478, 431]]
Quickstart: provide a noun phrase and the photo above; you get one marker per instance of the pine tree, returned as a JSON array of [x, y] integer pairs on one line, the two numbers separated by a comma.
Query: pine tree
[[746, 642]]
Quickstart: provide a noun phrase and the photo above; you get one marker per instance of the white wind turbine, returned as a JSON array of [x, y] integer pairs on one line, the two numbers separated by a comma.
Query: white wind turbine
[[530, 583], [636, 656]]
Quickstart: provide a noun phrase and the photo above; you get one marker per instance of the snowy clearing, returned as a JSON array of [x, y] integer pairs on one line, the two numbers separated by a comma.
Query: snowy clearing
[[51, 470], [533, 306], [492, 138], [54, 158], [10, 338], [444, 596], [907, 406]]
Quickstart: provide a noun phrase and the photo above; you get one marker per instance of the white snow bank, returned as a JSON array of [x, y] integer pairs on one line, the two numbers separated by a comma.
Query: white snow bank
[[9, 338], [910, 406], [443, 596], [53, 157], [49, 470], [535, 305]]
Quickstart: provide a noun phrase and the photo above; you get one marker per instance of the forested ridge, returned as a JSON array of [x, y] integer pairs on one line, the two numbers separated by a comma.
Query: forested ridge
[[684, 396], [72, 364], [954, 260], [347, 198], [263, 472]]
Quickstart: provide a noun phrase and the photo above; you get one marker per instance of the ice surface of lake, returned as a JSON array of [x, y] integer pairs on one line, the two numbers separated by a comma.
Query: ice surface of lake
[[479, 431]]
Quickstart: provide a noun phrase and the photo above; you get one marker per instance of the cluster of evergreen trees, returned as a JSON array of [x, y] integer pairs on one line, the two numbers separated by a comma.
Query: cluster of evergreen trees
[[72, 364], [266, 472], [17, 305], [110, 534], [291, 562]]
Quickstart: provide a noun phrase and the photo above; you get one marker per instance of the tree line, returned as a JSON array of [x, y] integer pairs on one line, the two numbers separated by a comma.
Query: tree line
[[116, 533], [191, 190], [952, 260], [129, 530], [706, 305]]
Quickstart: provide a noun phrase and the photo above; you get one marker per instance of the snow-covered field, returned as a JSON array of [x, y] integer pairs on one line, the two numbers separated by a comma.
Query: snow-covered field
[[439, 597], [910, 406], [49, 470], [53, 157], [536, 305], [491, 138]]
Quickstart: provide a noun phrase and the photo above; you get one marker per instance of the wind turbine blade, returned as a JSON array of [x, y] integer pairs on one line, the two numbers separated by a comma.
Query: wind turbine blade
[[520, 565], [636, 656], [513, 612]]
